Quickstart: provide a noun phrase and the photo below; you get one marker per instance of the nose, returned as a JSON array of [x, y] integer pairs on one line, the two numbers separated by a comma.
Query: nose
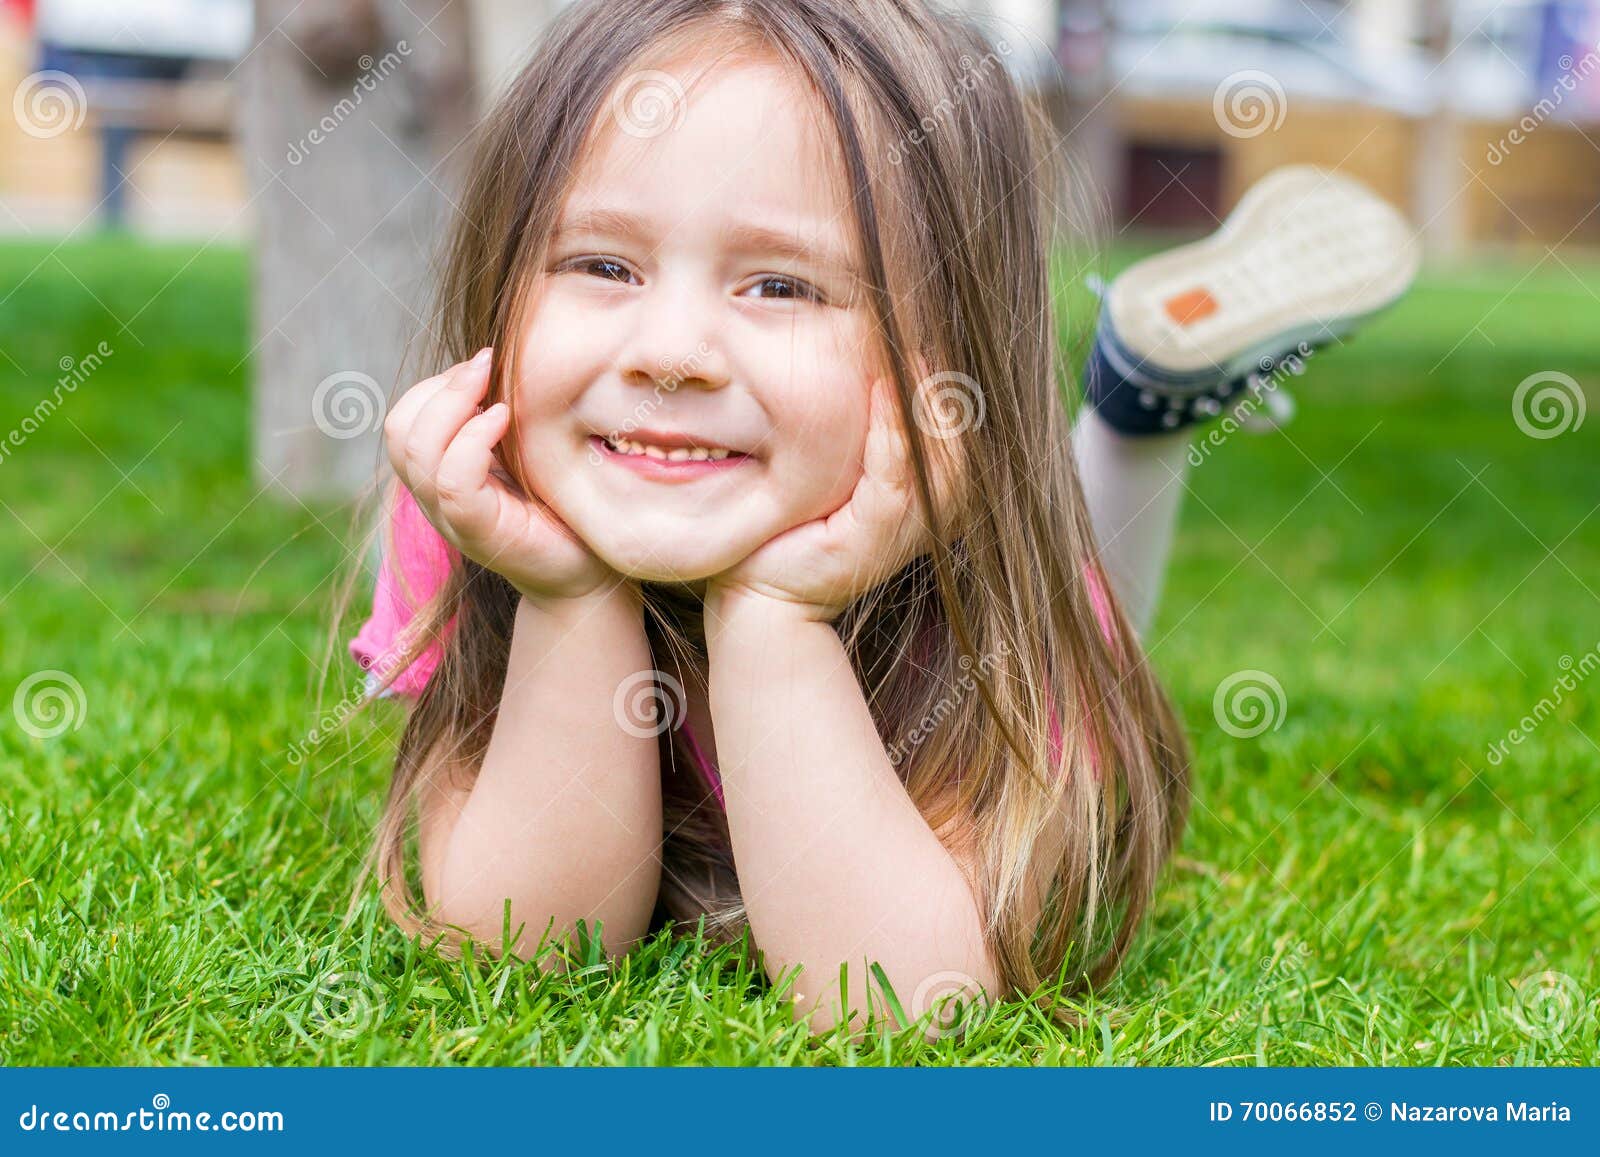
[[676, 340]]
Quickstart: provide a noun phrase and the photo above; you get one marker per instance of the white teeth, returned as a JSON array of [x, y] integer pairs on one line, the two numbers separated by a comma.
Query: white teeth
[[676, 454]]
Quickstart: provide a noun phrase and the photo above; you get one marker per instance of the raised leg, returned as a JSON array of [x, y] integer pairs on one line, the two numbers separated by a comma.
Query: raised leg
[[1133, 486]]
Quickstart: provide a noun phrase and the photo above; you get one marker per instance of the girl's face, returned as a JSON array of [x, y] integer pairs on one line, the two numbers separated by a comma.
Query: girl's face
[[700, 292]]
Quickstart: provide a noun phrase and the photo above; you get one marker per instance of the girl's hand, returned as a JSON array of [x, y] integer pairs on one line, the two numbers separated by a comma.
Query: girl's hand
[[442, 449], [821, 567]]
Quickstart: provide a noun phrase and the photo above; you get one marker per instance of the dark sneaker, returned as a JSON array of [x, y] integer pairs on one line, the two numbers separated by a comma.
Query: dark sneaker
[[1305, 258]]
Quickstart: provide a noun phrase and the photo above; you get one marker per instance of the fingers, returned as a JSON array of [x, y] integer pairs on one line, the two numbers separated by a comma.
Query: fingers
[[887, 456], [439, 416], [883, 506], [947, 450], [468, 498], [404, 411], [946, 457], [402, 418]]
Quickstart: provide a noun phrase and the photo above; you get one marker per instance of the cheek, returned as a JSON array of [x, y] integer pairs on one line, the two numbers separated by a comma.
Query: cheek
[[824, 423], [559, 353], [823, 411], [556, 354]]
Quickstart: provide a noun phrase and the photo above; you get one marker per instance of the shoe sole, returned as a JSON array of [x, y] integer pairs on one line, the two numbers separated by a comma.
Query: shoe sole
[[1306, 256]]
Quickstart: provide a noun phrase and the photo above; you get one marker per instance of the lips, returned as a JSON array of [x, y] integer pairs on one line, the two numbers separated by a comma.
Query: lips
[[638, 439], [680, 453], [667, 463]]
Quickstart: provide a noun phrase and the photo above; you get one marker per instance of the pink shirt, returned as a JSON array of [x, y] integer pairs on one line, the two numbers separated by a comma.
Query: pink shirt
[[424, 559]]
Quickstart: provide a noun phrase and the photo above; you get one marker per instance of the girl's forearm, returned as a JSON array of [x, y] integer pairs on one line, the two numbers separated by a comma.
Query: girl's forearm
[[836, 864], [564, 818]]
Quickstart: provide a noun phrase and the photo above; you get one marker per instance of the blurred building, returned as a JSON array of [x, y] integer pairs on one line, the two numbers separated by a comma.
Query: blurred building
[[121, 111], [1479, 116]]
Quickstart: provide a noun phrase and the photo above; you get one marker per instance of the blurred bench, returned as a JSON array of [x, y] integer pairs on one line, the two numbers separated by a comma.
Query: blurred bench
[[122, 109]]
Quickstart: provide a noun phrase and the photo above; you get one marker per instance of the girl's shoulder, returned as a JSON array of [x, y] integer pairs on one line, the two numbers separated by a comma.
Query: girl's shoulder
[[414, 564]]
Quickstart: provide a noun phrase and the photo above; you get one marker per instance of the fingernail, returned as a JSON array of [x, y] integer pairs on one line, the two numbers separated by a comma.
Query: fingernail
[[482, 356]]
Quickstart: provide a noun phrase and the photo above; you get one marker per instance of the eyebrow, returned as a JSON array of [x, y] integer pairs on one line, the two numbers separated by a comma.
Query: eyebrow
[[745, 236], [598, 221]]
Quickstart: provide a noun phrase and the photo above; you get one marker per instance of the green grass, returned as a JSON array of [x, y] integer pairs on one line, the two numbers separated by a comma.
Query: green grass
[[1360, 885]]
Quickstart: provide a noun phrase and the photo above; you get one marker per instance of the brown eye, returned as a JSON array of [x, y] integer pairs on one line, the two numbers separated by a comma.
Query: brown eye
[[786, 289], [605, 268]]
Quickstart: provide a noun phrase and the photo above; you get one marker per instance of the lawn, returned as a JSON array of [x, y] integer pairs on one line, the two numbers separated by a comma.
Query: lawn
[[1368, 882]]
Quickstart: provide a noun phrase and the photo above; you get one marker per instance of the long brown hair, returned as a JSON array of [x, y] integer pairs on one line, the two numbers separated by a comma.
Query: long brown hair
[[969, 653]]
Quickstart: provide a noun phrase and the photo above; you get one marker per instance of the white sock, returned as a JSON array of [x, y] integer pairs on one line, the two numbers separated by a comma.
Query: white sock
[[1133, 486]]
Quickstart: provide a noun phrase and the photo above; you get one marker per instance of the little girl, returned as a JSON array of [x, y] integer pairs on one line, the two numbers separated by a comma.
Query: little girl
[[742, 577]]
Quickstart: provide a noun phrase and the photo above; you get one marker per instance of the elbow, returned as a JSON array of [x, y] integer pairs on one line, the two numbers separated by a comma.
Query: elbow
[[944, 1002], [558, 940]]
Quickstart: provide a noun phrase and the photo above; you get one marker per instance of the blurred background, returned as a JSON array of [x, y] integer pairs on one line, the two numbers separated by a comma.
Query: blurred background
[[213, 121], [208, 119], [1385, 88], [216, 224]]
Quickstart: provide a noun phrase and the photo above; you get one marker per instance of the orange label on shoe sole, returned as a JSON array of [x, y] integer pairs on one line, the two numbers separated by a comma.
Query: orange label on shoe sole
[[1191, 306]]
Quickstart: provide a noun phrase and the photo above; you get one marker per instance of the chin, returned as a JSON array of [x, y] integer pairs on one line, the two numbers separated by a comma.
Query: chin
[[651, 558]]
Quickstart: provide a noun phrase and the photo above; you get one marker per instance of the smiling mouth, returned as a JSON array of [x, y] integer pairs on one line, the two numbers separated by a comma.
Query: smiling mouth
[[633, 449], [668, 462]]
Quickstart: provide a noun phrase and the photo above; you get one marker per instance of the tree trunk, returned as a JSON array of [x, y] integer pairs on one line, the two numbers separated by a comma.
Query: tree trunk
[[1088, 114], [351, 114], [1440, 175]]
